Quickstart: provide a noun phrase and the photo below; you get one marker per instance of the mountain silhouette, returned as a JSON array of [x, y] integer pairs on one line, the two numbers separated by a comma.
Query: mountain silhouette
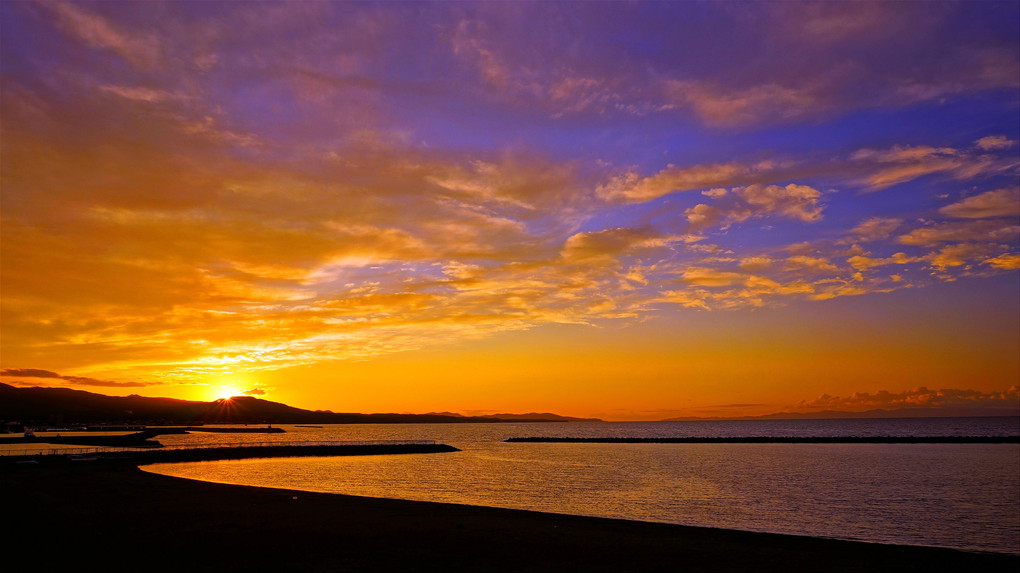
[[62, 406]]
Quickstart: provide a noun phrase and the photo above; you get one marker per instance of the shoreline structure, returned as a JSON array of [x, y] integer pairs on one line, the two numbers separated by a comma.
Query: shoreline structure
[[136, 516], [156, 455]]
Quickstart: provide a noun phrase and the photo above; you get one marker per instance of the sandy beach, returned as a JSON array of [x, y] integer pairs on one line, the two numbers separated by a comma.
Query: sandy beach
[[117, 517]]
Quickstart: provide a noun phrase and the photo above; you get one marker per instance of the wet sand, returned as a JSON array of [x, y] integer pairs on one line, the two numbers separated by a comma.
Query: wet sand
[[115, 517]]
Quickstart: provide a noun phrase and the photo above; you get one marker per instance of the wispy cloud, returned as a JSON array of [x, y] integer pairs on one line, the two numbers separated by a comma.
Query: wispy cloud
[[72, 380], [947, 232], [723, 106], [994, 143], [142, 50], [631, 187], [865, 170], [136, 93], [842, 62], [875, 229], [997, 203], [900, 164]]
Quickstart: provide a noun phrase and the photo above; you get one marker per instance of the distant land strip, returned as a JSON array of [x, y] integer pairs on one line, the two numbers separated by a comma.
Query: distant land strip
[[784, 440], [140, 439]]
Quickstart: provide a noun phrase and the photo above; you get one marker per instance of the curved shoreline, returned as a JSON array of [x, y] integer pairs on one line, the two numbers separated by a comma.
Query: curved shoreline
[[128, 520]]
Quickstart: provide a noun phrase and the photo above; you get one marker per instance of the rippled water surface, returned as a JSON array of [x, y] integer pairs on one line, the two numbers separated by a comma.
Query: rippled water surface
[[965, 496]]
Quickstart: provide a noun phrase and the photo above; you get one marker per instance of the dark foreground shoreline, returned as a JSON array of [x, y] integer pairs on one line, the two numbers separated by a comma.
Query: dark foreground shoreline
[[115, 517]]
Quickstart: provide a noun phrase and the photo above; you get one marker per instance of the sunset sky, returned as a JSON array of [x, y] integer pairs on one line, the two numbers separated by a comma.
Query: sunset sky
[[625, 210]]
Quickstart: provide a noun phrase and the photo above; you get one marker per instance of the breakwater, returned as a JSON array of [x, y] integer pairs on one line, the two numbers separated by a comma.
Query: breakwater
[[779, 440], [283, 451], [267, 430], [236, 452]]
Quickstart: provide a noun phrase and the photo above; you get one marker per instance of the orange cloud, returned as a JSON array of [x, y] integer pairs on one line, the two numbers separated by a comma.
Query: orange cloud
[[987, 231], [725, 106], [998, 203], [875, 229], [863, 263], [920, 397], [793, 201], [868, 169], [608, 244], [900, 164], [708, 277], [994, 142], [631, 187], [810, 263], [1005, 262]]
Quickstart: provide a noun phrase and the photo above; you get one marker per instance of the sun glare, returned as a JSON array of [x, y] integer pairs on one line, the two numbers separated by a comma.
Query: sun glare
[[224, 392]]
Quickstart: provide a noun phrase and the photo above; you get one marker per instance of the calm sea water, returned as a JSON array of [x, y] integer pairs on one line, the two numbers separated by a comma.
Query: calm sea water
[[965, 496]]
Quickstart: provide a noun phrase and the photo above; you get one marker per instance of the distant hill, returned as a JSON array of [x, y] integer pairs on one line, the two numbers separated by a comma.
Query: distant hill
[[535, 417], [64, 406], [529, 417]]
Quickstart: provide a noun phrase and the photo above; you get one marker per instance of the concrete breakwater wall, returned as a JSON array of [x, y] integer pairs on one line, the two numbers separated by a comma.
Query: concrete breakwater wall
[[233, 452], [242, 452]]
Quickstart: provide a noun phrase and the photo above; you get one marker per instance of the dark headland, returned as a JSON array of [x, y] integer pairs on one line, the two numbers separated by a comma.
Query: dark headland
[[49, 407], [112, 516]]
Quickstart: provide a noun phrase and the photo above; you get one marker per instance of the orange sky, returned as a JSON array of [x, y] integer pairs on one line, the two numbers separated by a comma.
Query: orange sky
[[506, 207]]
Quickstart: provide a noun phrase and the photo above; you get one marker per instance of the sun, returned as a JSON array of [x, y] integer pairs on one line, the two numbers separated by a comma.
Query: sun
[[224, 392], [227, 385]]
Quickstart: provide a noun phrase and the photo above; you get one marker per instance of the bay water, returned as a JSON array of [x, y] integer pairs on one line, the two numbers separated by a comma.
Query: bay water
[[964, 496]]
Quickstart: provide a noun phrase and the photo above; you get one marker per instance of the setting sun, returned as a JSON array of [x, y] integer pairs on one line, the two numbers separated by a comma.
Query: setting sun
[[223, 392]]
